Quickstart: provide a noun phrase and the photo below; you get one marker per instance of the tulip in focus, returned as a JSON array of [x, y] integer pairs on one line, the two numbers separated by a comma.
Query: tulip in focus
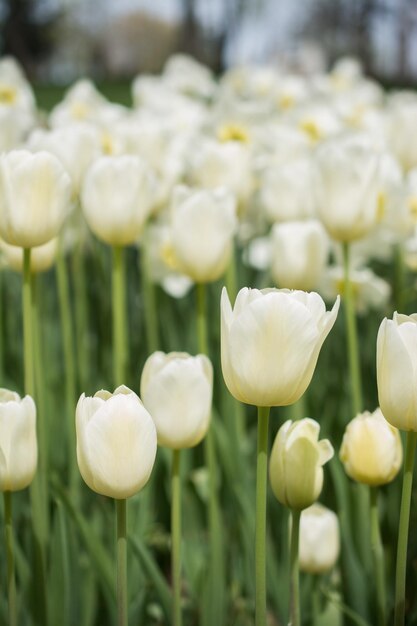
[[35, 197], [396, 366], [270, 343], [116, 442], [371, 449], [296, 463], [319, 545], [299, 254], [18, 445], [177, 389]]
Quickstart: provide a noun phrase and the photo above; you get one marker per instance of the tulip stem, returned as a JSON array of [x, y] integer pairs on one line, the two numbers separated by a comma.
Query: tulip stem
[[176, 538], [399, 278], [400, 575], [11, 583], [121, 516], [119, 316], [149, 300], [295, 574], [216, 582], [378, 554], [81, 314], [37, 490], [68, 352], [260, 533], [352, 336]]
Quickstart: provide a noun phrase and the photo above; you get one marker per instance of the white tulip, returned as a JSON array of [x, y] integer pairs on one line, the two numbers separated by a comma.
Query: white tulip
[[116, 442], [286, 190], [18, 445], [319, 544], [299, 254], [117, 197], [35, 197], [177, 388], [270, 343]]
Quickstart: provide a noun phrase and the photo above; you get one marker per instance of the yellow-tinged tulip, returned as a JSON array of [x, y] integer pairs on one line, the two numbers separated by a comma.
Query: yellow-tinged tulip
[[18, 446], [116, 442], [177, 388], [35, 197], [396, 368], [270, 343], [319, 539], [296, 463], [371, 449]]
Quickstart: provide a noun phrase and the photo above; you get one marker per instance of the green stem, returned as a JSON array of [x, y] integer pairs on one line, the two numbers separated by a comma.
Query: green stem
[[260, 533], [149, 300], [201, 319], [11, 583], [294, 569], [81, 317], [403, 529], [378, 556], [119, 316], [298, 409], [121, 515], [176, 538], [399, 290], [37, 492], [352, 337], [315, 600], [68, 350]]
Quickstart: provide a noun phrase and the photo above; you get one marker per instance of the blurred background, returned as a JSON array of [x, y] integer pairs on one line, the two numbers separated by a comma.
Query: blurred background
[[58, 41]]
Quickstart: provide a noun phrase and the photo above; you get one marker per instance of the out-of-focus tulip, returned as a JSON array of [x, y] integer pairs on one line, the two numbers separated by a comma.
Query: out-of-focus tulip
[[402, 111], [203, 223], [117, 197], [270, 343], [18, 446], [116, 442], [319, 544], [42, 258], [296, 463], [299, 254], [396, 366], [371, 449], [369, 290], [176, 388], [347, 187], [35, 194]]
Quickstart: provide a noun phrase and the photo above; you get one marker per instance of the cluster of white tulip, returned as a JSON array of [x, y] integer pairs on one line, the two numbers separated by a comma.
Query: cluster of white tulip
[[290, 170]]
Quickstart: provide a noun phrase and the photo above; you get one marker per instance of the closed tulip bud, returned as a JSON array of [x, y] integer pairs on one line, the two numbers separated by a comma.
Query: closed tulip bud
[[396, 364], [35, 197], [117, 197], [319, 545], [347, 187], [299, 254], [18, 446], [42, 257], [270, 343], [203, 223], [286, 189], [116, 442], [371, 449], [296, 463], [177, 389]]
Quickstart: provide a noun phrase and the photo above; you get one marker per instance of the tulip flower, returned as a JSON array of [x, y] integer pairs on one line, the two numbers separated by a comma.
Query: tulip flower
[[203, 224], [286, 190], [270, 343], [299, 254], [319, 539], [35, 193], [371, 449]]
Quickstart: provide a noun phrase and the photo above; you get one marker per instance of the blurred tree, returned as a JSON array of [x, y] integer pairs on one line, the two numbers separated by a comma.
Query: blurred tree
[[25, 30]]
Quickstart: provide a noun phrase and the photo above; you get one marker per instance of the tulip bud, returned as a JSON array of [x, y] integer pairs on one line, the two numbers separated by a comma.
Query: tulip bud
[[116, 442], [270, 343], [203, 223], [319, 544], [177, 389], [396, 364], [299, 254], [347, 187], [371, 449], [42, 257], [35, 193], [18, 446], [286, 190], [117, 197], [296, 463]]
